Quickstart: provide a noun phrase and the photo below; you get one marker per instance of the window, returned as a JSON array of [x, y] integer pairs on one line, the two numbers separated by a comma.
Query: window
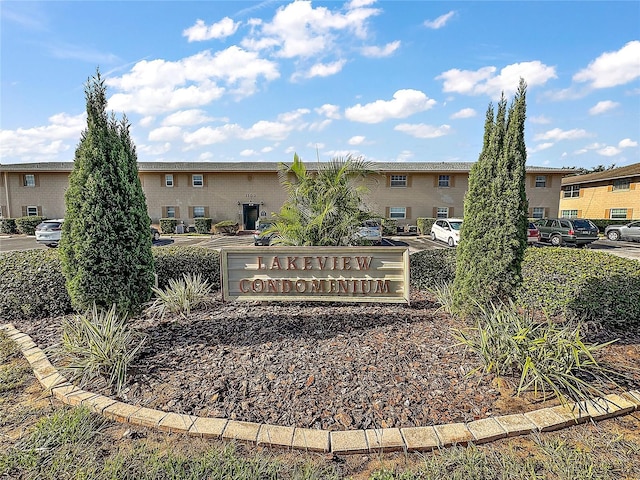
[[168, 180], [198, 212], [32, 211], [541, 181], [29, 180], [171, 212], [398, 181], [397, 212], [197, 180], [538, 212], [618, 213], [443, 181], [442, 212], [569, 213], [623, 184], [571, 191]]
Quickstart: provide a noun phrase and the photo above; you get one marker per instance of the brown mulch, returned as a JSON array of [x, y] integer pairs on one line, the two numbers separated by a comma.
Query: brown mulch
[[316, 365]]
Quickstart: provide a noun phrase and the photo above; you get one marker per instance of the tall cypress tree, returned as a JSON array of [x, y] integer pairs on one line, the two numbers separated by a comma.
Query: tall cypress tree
[[106, 243], [494, 231]]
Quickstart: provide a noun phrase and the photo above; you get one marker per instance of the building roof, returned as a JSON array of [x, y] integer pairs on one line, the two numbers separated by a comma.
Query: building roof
[[613, 174], [382, 167]]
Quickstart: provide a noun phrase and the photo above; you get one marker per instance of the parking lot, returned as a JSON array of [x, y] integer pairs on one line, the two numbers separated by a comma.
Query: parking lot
[[414, 243]]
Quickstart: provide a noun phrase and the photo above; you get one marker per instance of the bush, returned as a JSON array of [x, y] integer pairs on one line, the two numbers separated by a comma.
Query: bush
[[32, 285], [582, 284], [432, 268], [389, 227], [8, 225], [604, 223], [27, 225], [181, 296], [226, 227], [203, 225], [168, 225], [424, 225], [174, 262]]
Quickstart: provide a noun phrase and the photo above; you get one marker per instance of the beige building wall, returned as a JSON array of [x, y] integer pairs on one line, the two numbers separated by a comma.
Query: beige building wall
[[596, 201], [46, 195], [543, 197]]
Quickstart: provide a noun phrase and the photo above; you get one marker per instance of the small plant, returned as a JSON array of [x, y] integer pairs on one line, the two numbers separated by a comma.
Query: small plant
[[181, 296], [547, 357], [443, 293], [99, 343]]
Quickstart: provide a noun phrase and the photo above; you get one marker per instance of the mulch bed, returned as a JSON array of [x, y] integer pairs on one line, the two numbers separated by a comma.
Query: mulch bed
[[315, 365]]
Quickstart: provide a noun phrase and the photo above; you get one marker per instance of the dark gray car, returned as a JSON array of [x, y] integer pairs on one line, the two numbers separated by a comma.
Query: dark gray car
[[630, 231], [571, 231]]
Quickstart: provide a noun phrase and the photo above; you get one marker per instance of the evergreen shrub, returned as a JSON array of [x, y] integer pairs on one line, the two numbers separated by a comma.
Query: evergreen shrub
[[389, 227], [175, 262], [424, 225], [168, 225], [27, 225], [226, 227], [604, 223], [431, 268], [203, 225], [8, 225]]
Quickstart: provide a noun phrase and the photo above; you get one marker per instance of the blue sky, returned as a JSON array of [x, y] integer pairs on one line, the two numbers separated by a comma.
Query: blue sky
[[391, 81]]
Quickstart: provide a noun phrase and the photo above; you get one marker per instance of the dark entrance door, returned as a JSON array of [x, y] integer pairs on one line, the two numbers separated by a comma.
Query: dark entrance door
[[249, 216]]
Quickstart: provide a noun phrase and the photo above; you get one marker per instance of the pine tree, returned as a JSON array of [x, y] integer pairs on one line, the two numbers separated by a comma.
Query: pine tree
[[494, 231], [106, 243]]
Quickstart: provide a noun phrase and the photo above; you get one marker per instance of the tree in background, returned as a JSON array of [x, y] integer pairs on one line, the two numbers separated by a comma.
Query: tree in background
[[493, 237], [105, 247], [324, 207]]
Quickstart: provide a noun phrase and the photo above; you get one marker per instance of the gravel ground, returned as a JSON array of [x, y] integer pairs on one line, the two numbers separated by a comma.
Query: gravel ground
[[313, 365]]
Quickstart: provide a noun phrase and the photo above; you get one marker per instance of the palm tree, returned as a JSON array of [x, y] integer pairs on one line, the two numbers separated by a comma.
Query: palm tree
[[325, 207]]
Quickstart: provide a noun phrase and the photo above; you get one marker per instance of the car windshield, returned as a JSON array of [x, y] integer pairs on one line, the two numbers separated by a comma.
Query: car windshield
[[583, 224], [455, 225], [264, 226]]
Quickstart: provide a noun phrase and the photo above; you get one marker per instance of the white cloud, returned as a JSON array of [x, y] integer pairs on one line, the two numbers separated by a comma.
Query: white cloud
[[186, 118], [404, 156], [540, 147], [146, 121], [540, 119], [404, 104], [464, 113], [324, 69], [319, 126], [379, 52], [210, 135], [155, 149], [329, 111], [602, 107], [248, 153], [484, 80], [421, 130], [439, 22], [199, 32], [266, 150], [613, 68], [295, 116], [627, 143], [557, 134], [164, 133], [609, 151], [266, 129], [356, 140]]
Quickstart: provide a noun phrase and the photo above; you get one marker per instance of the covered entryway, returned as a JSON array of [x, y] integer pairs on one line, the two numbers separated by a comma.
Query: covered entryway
[[250, 212]]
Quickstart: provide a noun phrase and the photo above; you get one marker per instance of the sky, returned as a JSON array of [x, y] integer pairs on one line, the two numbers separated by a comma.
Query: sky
[[389, 81]]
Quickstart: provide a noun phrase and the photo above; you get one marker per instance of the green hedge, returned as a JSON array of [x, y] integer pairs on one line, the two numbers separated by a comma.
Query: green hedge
[[8, 225], [168, 225], [424, 225], [27, 225], [226, 227], [389, 227], [604, 223], [430, 268], [33, 286], [203, 225]]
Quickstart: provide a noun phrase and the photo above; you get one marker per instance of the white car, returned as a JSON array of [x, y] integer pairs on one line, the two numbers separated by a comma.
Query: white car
[[48, 232], [446, 230]]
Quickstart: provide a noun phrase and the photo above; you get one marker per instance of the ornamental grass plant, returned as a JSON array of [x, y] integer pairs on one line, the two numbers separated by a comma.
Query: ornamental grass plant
[[181, 296], [99, 343]]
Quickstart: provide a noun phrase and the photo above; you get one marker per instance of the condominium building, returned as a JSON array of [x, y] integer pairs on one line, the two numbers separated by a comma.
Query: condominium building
[[245, 192], [613, 194]]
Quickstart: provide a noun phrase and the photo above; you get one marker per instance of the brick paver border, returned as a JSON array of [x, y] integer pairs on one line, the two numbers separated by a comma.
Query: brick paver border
[[337, 442]]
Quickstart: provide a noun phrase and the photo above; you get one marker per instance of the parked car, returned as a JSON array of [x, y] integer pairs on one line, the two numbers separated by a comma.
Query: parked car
[[447, 230], [155, 234], [533, 234], [261, 238], [571, 231], [370, 231], [48, 232], [630, 231]]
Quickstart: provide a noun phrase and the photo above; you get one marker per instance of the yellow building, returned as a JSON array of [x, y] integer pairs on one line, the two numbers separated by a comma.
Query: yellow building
[[244, 192], [613, 194]]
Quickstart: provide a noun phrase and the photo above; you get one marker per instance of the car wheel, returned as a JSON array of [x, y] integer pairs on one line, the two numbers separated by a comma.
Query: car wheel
[[433, 236], [556, 240], [451, 242], [613, 235]]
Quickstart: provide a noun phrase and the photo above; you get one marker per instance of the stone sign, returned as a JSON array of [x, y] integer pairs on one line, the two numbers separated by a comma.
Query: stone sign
[[331, 274]]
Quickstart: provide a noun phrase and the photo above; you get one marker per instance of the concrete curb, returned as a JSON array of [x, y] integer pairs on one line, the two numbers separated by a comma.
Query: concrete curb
[[411, 439]]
